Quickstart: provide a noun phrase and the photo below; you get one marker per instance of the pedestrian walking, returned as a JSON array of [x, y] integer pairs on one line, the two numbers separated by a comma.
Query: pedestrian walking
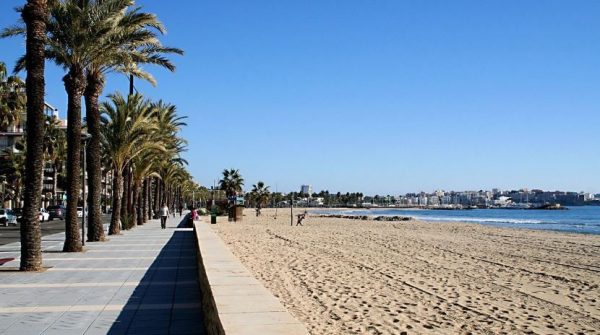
[[164, 213], [180, 210]]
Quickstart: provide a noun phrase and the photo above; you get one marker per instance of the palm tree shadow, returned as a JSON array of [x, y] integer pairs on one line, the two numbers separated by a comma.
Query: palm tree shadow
[[184, 221], [167, 298]]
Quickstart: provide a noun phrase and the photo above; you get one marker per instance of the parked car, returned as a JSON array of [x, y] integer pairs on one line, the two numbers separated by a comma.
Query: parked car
[[18, 213], [44, 215], [56, 212], [7, 217]]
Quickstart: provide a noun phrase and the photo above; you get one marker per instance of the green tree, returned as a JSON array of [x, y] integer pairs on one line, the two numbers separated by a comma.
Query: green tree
[[13, 99], [34, 15], [12, 170], [260, 195], [231, 182], [127, 129], [131, 39], [13, 105], [55, 150]]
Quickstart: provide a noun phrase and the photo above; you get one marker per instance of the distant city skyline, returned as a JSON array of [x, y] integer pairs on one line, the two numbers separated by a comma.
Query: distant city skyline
[[494, 190], [383, 97], [449, 199]]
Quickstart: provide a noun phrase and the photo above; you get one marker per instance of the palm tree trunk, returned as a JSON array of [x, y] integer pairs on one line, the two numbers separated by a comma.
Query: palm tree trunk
[[130, 196], [125, 195], [163, 193], [145, 201], [94, 165], [117, 190], [34, 14], [138, 203], [175, 195], [156, 193], [150, 199], [167, 195], [133, 215], [74, 84]]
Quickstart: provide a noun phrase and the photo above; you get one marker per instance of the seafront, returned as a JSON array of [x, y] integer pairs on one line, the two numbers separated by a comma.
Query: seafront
[[141, 282], [341, 276]]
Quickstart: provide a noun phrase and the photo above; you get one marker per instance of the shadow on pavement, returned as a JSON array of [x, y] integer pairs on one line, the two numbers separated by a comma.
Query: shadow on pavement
[[184, 221], [167, 299]]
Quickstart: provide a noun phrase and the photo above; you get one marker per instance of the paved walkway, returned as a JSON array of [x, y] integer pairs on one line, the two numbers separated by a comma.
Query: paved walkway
[[141, 282]]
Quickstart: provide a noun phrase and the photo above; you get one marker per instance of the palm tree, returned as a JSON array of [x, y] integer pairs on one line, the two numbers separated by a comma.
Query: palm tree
[[72, 45], [144, 166], [12, 169], [78, 32], [166, 116], [126, 133], [13, 104], [164, 171], [13, 99], [69, 44], [34, 14], [131, 40], [55, 150], [232, 182], [260, 195]]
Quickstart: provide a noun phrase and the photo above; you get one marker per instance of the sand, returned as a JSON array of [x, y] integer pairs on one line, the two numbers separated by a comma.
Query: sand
[[341, 276]]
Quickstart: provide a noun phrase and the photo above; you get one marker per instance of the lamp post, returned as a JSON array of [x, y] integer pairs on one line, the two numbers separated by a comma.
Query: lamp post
[[85, 137]]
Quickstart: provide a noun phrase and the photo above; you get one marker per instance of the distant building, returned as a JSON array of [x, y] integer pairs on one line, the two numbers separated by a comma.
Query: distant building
[[14, 132], [316, 202], [306, 189], [502, 201]]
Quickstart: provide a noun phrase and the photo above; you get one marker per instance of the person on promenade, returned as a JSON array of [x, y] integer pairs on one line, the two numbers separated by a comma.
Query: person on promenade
[[192, 217], [164, 213], [180, 210]]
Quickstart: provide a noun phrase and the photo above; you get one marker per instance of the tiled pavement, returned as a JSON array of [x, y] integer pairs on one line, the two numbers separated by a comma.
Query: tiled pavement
[[141, 282]]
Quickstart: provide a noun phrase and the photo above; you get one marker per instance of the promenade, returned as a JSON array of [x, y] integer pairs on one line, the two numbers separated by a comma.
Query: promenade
[[141, 282]]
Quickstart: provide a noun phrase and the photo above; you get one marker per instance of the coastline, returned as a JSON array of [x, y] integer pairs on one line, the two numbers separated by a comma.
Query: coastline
[[581, 220], [344, 276]]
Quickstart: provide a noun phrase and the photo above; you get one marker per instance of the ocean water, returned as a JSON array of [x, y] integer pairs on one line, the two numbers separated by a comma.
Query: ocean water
[[581, 219]]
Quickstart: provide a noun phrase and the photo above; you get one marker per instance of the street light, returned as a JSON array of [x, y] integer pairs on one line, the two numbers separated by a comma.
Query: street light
[[85, 137]]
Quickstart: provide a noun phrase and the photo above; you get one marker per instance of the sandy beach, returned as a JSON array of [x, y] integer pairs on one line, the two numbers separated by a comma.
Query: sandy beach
[[342, 276]]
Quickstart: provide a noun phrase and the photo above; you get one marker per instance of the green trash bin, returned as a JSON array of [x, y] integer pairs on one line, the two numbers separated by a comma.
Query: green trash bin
[[213, 216]]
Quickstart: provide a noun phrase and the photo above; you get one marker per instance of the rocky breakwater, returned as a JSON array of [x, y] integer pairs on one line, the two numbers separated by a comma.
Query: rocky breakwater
[[366, 217]]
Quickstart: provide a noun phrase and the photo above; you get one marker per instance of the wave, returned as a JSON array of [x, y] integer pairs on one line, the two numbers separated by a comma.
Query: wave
[[481, 220], [444, 218], [574, 220]]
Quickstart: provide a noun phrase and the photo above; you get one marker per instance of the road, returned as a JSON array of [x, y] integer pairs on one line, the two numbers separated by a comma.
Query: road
[[11, 234]]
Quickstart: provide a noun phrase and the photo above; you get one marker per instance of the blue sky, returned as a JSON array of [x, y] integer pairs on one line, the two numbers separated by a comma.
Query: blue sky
[[383, 96]]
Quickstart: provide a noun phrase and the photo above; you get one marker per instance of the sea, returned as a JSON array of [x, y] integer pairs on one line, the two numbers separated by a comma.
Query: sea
[[576, 219]]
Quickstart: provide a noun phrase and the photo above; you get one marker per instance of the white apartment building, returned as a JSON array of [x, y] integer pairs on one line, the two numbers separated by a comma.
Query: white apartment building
[[306, 189]]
